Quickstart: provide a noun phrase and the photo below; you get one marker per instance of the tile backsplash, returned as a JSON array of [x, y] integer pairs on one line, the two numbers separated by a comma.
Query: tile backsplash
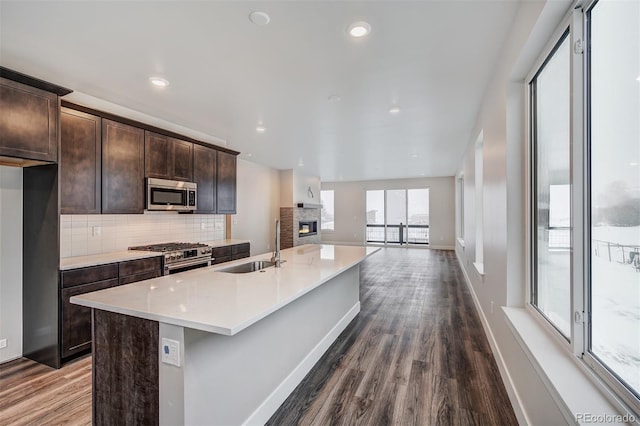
[[82, 235]]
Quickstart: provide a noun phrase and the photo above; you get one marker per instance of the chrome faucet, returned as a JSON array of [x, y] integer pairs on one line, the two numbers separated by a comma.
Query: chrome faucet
[[276, 254]]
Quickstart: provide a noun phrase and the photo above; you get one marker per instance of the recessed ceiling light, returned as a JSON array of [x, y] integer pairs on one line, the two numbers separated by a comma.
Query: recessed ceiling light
[[359, 29], [638, 78], [394, 110], [300, 163], [159, 81], [259, 18], [261, 129], [634, 164], [249, 154], [414, 155], [334, 98]]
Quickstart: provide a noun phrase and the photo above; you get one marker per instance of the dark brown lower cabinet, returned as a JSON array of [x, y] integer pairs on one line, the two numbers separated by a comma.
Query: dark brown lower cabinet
[[132, 271], [221, 254], [75, 319], [240, 251], [228, 253]]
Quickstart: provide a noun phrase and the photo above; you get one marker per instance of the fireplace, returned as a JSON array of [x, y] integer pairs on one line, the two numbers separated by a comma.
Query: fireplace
[[299, 226], [307, 228]]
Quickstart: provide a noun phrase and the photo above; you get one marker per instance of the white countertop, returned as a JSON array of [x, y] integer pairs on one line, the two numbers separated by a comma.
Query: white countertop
[[224, 303], [104, 258], [124, 255], [222, 243]]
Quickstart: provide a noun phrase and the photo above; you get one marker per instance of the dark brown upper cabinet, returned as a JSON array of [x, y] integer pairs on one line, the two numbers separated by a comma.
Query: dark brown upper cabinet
[[122, 168], [167, 157], [204, 175], [226, 183], [80, 162], [28, 123]]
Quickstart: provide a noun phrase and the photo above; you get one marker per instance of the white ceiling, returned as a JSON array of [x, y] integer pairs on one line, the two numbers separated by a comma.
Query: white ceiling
[[431, 58]]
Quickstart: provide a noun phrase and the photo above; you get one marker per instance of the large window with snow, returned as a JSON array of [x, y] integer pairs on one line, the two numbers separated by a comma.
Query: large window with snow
[[614, 189], [584, 233], [551, 146]]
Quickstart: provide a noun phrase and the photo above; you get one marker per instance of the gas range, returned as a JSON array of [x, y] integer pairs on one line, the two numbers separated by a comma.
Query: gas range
[[180, 256]]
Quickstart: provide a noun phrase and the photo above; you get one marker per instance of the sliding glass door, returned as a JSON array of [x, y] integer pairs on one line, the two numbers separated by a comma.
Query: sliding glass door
[[398, 216]]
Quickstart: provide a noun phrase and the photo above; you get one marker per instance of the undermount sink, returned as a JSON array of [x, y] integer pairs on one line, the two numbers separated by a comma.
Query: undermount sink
[[256, 265]]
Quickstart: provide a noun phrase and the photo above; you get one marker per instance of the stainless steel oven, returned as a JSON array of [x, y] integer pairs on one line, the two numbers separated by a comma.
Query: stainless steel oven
[[173, 195], [180, 257]]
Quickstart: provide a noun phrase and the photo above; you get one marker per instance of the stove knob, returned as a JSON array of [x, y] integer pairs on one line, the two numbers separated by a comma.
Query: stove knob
[[173, 256], [179, 255], [167, 257]]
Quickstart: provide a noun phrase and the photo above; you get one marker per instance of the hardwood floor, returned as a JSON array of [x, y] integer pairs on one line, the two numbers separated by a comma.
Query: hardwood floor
[[34, 394], [416, 355]]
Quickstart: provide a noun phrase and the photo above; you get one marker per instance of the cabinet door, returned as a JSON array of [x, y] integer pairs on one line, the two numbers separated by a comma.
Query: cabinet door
[[204, 175], [240, 251], [76, 319], [158, 155], [28, 122], [122, 168], [182, 160], [226, 183], [80, 162], [167, 158]]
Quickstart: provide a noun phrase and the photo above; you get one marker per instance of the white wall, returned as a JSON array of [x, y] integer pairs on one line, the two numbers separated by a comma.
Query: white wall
[[501, 119], [350, 208], [258, 206], [294, 188], [11, 261]]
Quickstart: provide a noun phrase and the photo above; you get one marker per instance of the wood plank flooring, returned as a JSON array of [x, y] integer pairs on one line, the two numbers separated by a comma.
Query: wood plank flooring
[[34, 394], [416, 355]]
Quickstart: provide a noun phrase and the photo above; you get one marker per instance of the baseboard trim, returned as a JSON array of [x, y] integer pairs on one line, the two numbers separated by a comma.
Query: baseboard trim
[[514, 397], [270, 405]]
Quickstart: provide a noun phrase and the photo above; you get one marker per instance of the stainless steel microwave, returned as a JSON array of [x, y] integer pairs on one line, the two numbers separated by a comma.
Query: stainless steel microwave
[[173, 195]]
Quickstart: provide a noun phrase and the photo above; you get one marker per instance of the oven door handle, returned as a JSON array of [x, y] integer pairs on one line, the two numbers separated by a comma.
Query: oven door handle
[[184, 264]]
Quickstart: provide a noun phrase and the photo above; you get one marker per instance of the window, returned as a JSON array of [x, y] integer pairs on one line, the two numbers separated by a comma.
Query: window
[[461, 207], [398, 216], [551, 121], [375, 217], [479, 205], [614, 190], [585, 191], [327, 212]]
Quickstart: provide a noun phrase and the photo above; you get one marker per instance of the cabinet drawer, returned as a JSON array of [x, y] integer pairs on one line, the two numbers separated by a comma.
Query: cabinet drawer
[[240, 248], [76, 319], [91, 274], [221, 252], [139, 266], [139, 277]]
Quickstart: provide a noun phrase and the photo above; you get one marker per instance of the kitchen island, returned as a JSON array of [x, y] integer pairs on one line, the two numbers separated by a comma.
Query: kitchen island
[[241, 342]]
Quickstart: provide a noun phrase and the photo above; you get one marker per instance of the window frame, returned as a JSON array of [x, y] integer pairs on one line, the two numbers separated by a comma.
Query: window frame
[[576, 26], [602, 371], [562, 33]]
